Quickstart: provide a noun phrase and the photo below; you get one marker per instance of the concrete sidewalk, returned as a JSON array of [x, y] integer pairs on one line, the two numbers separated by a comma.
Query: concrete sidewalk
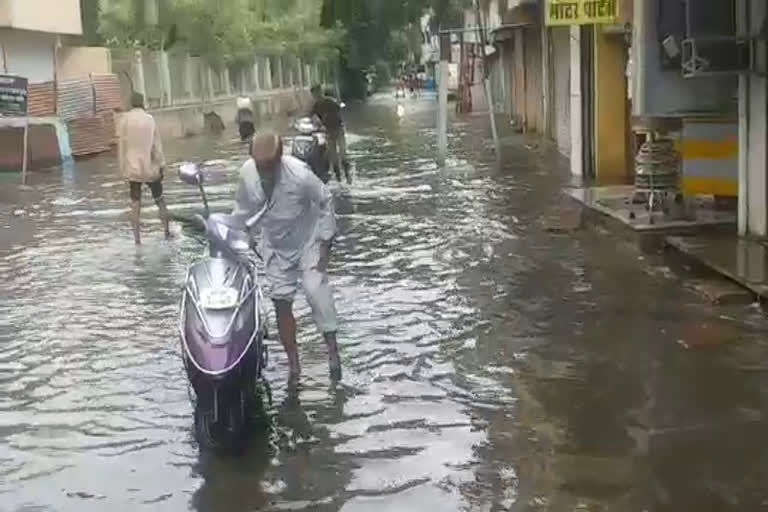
[[736, 271], [744, 262], [616, 203]]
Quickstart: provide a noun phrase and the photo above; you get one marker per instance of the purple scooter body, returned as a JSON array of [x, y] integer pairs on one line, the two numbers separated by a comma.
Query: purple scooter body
[[222, 327]]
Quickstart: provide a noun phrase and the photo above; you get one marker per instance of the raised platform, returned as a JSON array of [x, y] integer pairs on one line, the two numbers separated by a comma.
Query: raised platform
[[745, 262], [615, 202]]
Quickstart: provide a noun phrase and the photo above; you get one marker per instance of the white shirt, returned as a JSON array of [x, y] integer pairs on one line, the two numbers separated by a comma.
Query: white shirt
[[300, 210]]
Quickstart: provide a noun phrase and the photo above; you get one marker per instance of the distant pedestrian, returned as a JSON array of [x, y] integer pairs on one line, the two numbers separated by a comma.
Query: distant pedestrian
[[400, 87], [328, 111], [142, 162], [422, 78]]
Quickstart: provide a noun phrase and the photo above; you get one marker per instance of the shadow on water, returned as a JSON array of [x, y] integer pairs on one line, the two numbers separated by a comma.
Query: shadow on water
[[225, 479], [241, 482]]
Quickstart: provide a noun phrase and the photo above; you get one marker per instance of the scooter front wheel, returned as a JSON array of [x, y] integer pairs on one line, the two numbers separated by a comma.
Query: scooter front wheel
[[225, 435]]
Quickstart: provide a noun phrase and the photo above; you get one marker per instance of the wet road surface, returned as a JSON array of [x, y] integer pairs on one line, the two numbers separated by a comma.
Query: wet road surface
[[491, 364]]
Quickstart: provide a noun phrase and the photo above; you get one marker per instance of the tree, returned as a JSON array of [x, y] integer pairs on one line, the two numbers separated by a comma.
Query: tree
[[371, 28], [374, 31], [91, 12], [448, 13], [222, 32], [216, 30], [293, 27], [135, 23]]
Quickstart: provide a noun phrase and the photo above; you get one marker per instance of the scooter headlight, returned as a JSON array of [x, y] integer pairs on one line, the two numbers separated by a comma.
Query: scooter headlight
[[302, 147]]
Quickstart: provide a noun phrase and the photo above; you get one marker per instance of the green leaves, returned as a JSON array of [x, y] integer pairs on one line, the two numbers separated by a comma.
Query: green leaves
[[375, 28], [223, 32]]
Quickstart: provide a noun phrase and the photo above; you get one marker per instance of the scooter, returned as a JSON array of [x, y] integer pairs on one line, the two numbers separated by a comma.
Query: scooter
[[311, 146], [222, 326]]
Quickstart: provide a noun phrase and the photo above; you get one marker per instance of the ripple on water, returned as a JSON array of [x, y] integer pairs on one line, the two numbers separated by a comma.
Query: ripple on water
[[448, 294], [98, 398]]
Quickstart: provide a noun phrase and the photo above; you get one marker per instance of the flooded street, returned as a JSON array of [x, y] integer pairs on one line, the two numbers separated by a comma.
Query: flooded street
[[490, 364]]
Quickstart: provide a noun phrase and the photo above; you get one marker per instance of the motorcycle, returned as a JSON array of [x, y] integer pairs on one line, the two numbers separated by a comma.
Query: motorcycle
[[222, 326], [311, 146]]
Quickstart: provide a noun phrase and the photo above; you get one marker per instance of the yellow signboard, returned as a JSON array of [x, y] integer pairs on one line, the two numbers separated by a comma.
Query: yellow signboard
[[582, 12]]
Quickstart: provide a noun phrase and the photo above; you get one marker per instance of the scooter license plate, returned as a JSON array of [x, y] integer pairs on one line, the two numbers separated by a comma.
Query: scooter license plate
[[219, 298]]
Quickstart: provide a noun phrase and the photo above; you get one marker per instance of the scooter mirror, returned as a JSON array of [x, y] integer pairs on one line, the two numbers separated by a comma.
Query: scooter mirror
[[191, 174]]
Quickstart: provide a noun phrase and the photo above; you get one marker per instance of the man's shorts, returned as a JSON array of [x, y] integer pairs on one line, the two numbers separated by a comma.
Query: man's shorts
[[156, 187], [282, 283]]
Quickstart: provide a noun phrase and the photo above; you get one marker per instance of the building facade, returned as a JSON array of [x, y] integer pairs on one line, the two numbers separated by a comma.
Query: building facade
[[565, 79], [30, 33], [598, 77]]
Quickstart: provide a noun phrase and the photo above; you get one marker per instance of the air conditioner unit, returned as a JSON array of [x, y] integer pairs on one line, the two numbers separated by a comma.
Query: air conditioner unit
[[707, 56]]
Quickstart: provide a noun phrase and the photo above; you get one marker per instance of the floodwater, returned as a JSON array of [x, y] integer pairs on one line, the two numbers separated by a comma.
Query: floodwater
[[490, 363]]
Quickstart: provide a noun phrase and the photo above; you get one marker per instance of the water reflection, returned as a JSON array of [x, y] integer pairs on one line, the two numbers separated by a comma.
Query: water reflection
[[235, 484]]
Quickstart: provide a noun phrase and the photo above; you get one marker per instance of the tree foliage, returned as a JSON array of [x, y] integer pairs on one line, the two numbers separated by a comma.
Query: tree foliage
[[384, 30], [449, 13], [370, 25], [224, 32], [361, 34]]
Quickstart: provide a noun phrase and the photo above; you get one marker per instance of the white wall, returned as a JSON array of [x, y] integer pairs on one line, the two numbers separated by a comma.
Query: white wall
[[494, 19], [76, 62], [757, 158], [560, 38], [5, 14], [753, 139], [54, 16], [470, 22], [29, 54], [577, 140]]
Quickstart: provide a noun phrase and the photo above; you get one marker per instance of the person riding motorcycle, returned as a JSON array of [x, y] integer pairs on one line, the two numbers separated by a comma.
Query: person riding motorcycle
[[328, 111]]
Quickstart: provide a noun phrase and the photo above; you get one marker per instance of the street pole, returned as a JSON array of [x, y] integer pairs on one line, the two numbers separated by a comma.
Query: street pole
[[25, 149], [442, 108], [486, 80]]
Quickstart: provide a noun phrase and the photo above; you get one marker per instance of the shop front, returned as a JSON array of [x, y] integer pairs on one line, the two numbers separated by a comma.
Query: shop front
[[587, 94]]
